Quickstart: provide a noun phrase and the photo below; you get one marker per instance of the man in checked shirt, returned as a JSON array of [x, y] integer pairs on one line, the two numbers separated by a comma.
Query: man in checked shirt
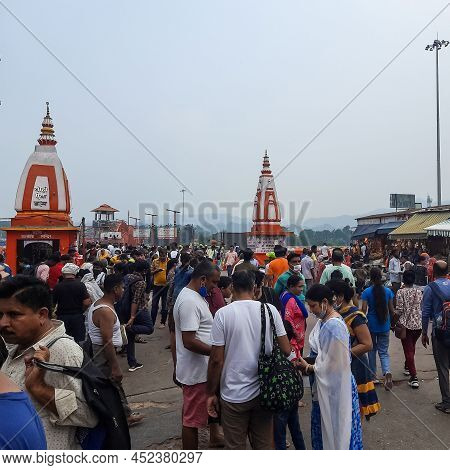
[[26, 325], [140, 322]]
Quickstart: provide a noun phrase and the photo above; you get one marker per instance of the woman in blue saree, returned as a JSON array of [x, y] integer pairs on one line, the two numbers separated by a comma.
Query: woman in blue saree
[[335, 415]]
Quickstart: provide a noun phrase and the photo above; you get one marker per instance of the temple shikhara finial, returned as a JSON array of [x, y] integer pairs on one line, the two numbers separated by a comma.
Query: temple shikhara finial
[[47, 136], [266, 211], [266, 231], [266, 164]]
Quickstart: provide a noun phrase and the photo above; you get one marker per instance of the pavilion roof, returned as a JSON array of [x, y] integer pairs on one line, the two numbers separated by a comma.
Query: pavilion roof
[[104, 208]]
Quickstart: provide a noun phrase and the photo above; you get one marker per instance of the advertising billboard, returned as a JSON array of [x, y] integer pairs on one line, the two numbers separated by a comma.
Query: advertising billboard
[[403, 201]]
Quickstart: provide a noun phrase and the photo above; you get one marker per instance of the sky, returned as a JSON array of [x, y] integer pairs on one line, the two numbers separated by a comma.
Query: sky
[[208, 86]]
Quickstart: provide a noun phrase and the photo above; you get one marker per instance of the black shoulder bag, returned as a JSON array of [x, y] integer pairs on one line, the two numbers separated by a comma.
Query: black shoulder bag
[[281, 386]]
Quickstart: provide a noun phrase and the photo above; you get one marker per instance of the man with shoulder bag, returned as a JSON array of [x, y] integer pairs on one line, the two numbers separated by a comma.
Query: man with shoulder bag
[[436, 307], [25, 323], [234, 365]]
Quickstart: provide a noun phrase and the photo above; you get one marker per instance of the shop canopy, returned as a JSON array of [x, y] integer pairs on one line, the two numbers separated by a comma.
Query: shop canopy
[[365, 231], [372, 230], [439, 230], [388, 228], [415, 227]]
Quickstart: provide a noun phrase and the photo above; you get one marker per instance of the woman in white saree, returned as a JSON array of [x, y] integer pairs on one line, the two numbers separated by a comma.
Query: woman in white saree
[[335, 415]]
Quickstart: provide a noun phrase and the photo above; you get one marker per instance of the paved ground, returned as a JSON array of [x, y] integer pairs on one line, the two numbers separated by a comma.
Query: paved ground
[[408, 419]]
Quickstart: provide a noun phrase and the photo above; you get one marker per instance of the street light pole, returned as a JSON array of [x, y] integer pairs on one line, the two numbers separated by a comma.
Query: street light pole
[[174, 222], [182, 217], [437, 46], [152, 238], [182, 214], [136, 219]]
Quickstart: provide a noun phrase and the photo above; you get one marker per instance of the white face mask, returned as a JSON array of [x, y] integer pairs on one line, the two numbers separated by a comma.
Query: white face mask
[[298, 268], [322, 314]]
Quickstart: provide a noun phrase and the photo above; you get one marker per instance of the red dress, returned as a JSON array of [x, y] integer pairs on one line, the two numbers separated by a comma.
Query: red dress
[[294, 316]]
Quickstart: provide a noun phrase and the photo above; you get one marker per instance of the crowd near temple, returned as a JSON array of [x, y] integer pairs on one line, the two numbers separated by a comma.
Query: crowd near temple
[[258, 331]]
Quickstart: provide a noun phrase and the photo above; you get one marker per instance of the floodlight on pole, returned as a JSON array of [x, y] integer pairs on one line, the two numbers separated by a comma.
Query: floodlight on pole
[[182, 217], [182, 213], [174, 222], [436, 47], [152, 238]]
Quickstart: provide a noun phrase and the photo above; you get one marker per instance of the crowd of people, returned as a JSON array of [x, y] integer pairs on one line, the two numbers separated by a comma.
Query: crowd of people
[[223, 309]]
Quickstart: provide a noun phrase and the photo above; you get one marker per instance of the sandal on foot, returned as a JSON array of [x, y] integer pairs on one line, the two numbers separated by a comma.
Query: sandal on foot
[[134, 418], [442, 407], [388, 381]]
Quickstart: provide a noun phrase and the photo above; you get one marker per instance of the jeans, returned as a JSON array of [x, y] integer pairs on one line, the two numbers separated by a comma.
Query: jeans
[[288, 418], [229, 270], [142, 325], [159, 292], [409, 348], [395, 288], [381, 344], [442, 359]]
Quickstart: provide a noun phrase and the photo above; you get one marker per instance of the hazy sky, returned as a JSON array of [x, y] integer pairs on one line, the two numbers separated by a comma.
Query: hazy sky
[[207, 86]]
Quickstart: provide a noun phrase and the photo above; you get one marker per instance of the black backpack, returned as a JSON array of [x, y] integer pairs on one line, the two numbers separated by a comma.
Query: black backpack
[[442, 331], [337, 275], [123, 306], [102, 397]]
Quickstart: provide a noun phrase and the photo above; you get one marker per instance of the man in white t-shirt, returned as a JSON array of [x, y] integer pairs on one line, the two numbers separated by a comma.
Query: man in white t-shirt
[[324, 250], [363, 250], [236, 342], [193, 321], [173, 251]]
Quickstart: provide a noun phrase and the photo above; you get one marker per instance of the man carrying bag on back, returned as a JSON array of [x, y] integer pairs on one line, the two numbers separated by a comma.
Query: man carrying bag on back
[[436, 307]]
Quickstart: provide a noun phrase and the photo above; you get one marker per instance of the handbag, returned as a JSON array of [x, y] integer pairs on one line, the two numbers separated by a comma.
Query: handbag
[[123, 334], [281, 386], [400, 331]]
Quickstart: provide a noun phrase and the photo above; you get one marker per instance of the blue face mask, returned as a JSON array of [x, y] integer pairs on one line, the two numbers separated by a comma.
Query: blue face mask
[[203, 291]]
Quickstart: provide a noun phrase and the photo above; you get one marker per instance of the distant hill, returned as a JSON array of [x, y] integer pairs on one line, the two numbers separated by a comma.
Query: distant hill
[[329, 223], [220, 221]]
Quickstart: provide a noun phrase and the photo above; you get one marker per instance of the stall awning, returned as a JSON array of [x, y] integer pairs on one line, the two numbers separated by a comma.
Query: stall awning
[[388, 228], [439, 230], [365, 231], [415, 227]]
